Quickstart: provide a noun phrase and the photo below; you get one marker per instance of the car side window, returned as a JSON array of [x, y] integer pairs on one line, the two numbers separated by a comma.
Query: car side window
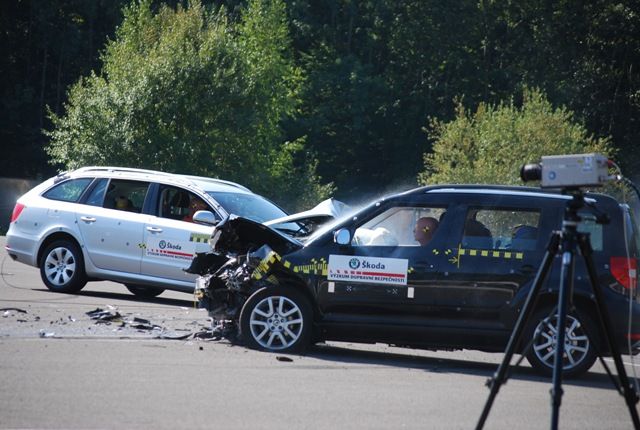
[[400, 226], [68, 191], [179, 204], [125, 195], [96, 196], [501, 228], [589, 225]]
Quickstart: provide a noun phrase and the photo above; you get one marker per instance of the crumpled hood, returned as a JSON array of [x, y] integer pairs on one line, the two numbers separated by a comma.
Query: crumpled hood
[[323, 212], [236, 235]]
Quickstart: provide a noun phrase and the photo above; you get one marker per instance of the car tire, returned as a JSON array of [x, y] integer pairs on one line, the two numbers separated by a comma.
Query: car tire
[[276, 319], [62, 267], [144, 291], [580, 353]]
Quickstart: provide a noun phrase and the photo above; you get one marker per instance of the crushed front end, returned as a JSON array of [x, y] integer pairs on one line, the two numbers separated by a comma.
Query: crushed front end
[[245, 257]]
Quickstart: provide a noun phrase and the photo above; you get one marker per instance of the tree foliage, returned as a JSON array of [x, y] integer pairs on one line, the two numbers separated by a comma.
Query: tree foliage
[[375, 70], [490, 144], [44, 47], [186, 90]]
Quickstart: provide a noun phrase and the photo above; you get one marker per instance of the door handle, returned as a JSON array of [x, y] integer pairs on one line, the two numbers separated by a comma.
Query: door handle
[[88, 219], [154, 229]]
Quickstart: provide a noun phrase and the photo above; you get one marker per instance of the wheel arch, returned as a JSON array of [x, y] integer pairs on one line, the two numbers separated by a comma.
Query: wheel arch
[[59, 235], [298, 284], [584, 304]]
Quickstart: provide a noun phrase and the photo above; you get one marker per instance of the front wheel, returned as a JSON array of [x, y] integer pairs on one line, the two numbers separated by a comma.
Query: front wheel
[[62, 267], [276, 319], [579, 351]]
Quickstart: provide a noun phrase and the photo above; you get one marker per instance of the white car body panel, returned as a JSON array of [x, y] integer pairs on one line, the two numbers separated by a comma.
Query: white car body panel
[[111, 238], [170, 245]]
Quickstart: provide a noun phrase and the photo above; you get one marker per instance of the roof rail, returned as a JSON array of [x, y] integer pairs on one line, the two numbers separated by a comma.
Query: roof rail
[[159, 173], [121, 169], [216, 180]]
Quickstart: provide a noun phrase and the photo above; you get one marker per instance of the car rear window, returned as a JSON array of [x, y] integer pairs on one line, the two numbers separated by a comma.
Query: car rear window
[[68, 191], [589, 225], [501, 228], [125, 195]]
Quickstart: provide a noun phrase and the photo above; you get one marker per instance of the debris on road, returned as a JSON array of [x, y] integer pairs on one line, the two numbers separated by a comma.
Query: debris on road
[[8, 311], [108, 320], [104, 316]]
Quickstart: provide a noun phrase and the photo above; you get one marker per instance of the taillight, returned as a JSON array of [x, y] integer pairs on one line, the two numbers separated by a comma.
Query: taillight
[[625, 270], [17, 210]]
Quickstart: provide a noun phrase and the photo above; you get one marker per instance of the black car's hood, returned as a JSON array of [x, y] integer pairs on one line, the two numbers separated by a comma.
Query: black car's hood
[[236, 235], [302, 224], [324, 211]]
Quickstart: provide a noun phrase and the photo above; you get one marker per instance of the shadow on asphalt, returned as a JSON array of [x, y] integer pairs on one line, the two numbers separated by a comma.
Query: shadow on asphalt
[[446, 365], [126, 297]]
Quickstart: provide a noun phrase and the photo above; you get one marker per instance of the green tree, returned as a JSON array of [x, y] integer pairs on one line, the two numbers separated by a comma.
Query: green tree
[[490, 144], [186, 90]]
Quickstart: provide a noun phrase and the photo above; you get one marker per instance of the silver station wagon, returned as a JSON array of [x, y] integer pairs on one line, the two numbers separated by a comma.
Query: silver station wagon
[[131, 226]]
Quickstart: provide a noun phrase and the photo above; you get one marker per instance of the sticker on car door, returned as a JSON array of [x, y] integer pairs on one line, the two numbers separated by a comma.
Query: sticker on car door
[[348, 268], [171, 249]]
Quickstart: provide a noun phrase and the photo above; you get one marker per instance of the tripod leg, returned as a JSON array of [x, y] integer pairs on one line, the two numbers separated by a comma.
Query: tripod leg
[[630, 394], [499, 377], [564, 300]]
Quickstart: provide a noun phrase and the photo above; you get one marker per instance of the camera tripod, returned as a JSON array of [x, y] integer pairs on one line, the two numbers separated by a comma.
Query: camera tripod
[[569, 238]]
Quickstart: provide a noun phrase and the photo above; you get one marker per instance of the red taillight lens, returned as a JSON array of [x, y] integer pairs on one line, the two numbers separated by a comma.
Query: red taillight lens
[[625, 270], [17, 210]]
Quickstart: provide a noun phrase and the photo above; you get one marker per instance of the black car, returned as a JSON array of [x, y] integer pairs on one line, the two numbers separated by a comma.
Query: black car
[[442, 267]]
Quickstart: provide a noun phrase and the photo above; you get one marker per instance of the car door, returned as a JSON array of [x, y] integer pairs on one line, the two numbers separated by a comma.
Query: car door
[[377, 276], [497, 244], [171, 239], [111, 222]]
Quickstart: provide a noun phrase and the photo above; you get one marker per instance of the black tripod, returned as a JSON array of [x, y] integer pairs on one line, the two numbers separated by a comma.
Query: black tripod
[[570, 239]]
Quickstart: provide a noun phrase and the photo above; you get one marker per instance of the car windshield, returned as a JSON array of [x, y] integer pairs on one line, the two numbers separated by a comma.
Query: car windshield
[[250, 206]]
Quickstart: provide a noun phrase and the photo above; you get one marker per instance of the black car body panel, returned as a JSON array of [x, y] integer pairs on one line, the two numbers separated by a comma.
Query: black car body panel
[[464, 289]]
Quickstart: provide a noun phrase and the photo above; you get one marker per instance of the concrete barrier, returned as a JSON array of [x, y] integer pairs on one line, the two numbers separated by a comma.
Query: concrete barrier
[[10, 190]]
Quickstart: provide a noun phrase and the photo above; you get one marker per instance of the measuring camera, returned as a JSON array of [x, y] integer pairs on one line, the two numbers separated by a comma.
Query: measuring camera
[[568, 171]]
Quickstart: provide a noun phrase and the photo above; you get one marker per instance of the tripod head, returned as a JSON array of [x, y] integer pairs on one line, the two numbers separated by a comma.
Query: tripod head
[[578, 202]]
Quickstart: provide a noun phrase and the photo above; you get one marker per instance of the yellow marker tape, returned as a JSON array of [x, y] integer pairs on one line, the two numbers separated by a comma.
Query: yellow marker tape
[[199, 237], [265, 265], [486, 253]]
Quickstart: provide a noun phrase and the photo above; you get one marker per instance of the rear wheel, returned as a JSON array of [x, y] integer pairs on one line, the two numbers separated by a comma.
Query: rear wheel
[[144, 291], [62, 267], [276, 319], [579, 351]]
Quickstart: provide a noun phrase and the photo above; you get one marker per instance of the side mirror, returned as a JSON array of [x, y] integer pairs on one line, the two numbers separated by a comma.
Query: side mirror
[[205, 217], [342, 237]]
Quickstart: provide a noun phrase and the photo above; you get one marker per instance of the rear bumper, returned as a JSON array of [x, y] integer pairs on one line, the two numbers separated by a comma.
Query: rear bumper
[[22, 248]]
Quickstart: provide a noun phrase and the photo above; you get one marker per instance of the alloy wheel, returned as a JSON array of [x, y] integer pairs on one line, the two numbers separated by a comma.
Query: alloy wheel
[[276, 323]]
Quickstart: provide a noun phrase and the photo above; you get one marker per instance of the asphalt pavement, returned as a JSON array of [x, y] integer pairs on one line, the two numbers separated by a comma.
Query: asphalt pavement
[[144, 365]]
